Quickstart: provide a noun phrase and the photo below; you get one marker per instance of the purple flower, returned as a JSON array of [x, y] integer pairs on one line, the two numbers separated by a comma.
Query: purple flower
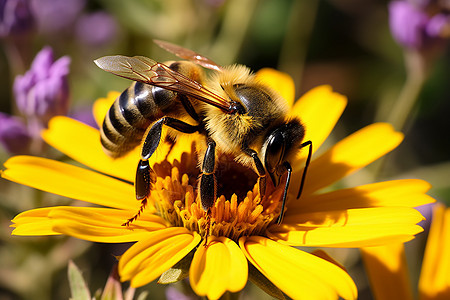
[[84, 114], [438, 25], [420, 3], [174, 294], [54, 16], [96, 29], [14, 136], [15, 17], [413, 27], [426, 211], [43, 91], [407, 23]]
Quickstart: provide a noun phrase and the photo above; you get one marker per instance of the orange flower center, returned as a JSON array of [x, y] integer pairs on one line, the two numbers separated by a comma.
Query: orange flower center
[[238, 210]]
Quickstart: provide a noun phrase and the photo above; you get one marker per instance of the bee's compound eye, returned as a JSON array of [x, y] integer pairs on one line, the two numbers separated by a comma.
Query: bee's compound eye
[[275, 150]]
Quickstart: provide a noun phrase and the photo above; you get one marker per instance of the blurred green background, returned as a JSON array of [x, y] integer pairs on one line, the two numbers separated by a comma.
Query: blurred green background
[[344, 43]]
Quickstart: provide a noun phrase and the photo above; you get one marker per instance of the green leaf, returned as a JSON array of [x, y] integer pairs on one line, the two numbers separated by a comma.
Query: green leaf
[[142, 296], [178, 272], [172, 275], [113, 288], [78, 287]]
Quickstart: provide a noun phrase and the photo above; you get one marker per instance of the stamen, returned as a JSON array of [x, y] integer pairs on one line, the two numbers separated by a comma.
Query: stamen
[[243, 212]]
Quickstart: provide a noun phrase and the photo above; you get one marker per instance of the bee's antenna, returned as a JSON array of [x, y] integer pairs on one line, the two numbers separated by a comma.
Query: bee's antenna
[[288, 179], [308, 160], [286, 187]]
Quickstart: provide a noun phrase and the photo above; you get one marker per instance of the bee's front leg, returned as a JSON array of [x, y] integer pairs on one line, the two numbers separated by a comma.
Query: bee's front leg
[[260, 170]]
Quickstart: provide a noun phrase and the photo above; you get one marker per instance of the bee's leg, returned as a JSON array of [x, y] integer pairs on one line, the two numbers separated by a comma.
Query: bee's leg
[[259, 169], [145, 176], [208, 179], [189, 107], [208, 185]]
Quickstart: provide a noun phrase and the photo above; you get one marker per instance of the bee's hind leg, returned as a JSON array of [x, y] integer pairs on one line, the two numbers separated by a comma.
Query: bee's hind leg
[[208, 184], [145, 176]]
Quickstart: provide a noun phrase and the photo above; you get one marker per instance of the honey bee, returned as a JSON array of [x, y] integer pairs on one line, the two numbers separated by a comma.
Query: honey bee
[[234, 112]]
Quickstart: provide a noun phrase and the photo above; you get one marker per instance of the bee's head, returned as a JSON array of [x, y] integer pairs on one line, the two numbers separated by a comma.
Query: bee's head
[[280, 145]]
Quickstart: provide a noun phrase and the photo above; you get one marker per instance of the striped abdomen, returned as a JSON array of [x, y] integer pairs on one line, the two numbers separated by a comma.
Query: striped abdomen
[[131, 114]]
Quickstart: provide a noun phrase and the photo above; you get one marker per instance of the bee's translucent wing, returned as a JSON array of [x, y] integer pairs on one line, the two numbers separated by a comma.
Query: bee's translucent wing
[[134, 68], [189, 55], [146, 70]]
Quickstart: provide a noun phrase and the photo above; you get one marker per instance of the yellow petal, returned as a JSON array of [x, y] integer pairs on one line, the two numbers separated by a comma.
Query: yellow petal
[[103, 224], [407, 193], [323, 255], [33, 222], [30, 215], [280, 82], [434, 280], [82, 143], [70, 181], [156, 253], [388, 271], [87, 223], [349, 228], [350, 154], [319, 110], [218, 267], [354, 217], [298, 274], [37, 228], [102, 105]]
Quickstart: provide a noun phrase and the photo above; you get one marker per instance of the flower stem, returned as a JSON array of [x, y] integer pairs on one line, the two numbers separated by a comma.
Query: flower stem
[[234, 29], [295, 44], [416, 66]]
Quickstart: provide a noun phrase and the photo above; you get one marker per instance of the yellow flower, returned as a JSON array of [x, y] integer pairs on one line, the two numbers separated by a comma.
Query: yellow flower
[[170, 231], [388, 271], [434, 280]]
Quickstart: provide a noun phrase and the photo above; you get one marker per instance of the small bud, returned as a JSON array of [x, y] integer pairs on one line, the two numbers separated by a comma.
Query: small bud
[[15, 17], [14, 136], [439, 26]]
